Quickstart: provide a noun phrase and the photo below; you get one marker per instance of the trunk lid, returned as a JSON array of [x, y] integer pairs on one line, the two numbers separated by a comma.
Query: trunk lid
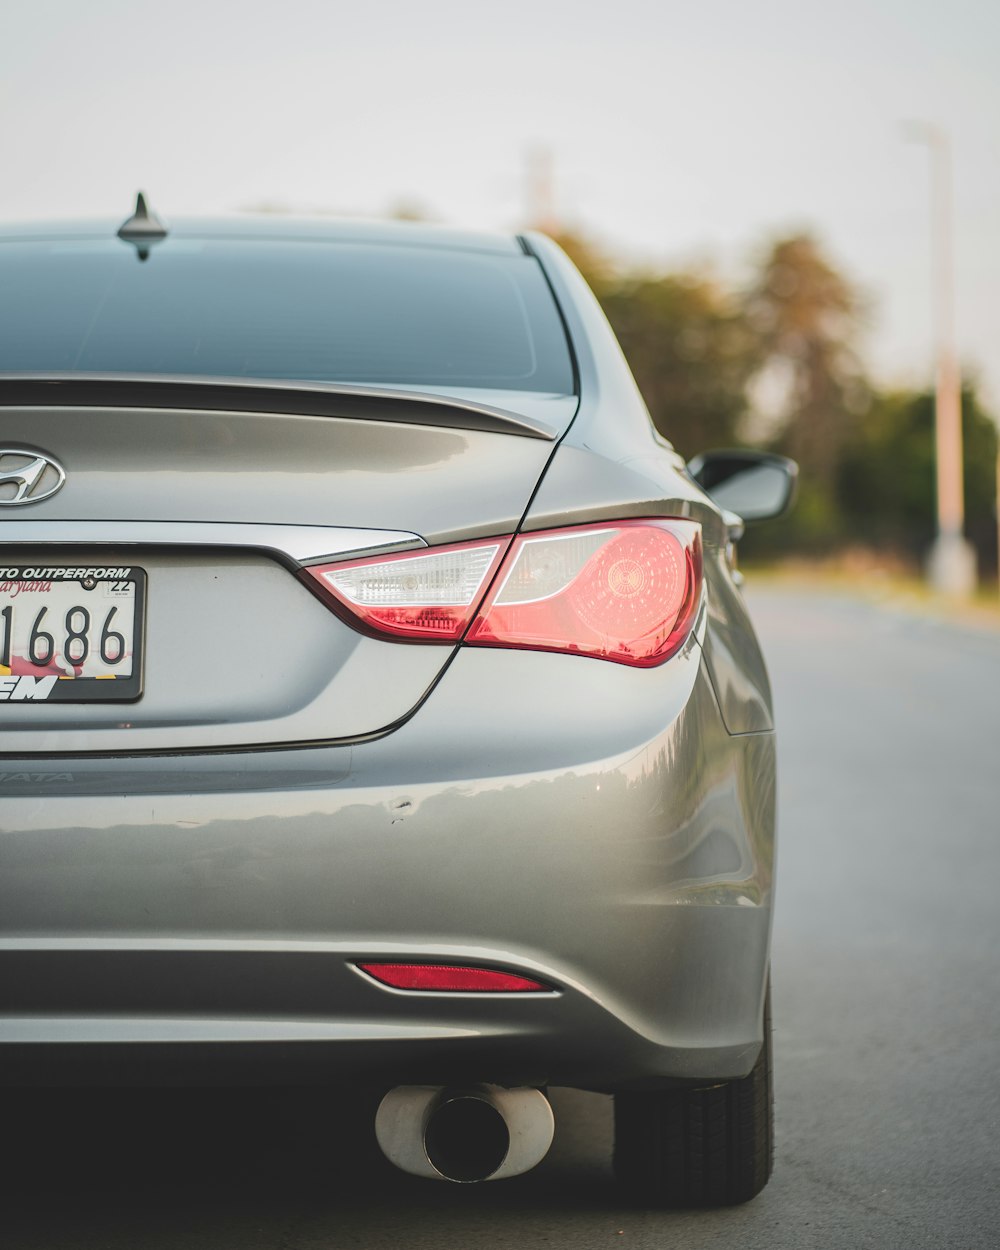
[[220, 509]]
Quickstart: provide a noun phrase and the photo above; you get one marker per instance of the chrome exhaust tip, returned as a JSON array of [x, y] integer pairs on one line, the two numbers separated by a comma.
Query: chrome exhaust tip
[[464, 1134]]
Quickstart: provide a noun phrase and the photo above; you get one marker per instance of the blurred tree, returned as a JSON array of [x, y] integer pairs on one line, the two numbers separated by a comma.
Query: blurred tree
[[700, 355], [886, 480], [805, 315], [596, 266], [691, 352], [409, 208], [686, 341]]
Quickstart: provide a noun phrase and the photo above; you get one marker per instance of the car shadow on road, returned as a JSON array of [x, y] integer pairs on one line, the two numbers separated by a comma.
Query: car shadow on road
[[249, 1168]]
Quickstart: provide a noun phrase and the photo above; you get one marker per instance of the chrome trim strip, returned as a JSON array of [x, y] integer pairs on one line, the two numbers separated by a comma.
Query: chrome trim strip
[[295, 544], [43, 1030]]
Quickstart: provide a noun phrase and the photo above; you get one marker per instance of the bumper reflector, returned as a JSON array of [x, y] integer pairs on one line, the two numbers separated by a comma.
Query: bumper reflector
[[448, 978]]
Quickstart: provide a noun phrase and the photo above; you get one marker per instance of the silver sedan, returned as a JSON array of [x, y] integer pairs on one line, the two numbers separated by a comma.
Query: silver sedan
[[377, 698]]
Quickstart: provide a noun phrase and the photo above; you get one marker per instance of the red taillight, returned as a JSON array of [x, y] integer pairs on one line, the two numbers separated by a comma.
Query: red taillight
[[626, 591], [448, 979]]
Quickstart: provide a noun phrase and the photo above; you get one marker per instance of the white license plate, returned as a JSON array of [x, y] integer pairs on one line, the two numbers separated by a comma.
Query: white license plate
[[70, 633]]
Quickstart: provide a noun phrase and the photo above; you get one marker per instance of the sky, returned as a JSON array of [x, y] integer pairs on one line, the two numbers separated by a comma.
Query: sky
[[680, 134]]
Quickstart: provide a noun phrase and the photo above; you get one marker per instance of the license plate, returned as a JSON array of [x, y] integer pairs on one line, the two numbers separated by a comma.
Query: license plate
[[71, 634]]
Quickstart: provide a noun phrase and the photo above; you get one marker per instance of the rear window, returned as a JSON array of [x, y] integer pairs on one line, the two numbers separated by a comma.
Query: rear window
[[294, 310]]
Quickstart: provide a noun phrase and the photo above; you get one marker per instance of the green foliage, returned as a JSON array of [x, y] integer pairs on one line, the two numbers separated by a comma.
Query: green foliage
[[816, 526], [692, 354], [886, 486], [805, 317], [688, 343]]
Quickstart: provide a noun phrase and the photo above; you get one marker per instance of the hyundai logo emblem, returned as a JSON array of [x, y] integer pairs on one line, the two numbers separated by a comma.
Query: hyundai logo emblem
[[27, 476]]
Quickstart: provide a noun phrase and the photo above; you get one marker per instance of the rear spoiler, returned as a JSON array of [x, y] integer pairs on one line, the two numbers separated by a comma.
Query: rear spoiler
[[310, 399]]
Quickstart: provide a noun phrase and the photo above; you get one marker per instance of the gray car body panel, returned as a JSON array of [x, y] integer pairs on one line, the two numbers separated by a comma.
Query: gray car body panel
[[608, 830], [579, 853], [266, 663], [272, 468]]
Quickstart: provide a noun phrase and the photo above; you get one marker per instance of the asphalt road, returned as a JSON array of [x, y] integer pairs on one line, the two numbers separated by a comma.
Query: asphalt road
[[887, 1015]]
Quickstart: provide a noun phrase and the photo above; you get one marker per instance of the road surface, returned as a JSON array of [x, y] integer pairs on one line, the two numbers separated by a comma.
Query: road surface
[[887, 1022]]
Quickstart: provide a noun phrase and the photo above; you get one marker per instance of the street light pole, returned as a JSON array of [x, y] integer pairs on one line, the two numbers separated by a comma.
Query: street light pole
[[952, 564], [997, 502], [539, 184]]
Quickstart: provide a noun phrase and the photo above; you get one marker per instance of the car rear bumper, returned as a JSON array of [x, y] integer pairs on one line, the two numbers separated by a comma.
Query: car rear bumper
[[588, 825]]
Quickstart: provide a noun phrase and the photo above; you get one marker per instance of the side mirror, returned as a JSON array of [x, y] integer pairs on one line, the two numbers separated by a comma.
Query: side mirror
[[756, 485]]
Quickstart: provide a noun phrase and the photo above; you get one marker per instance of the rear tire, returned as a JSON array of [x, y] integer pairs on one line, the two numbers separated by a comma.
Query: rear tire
[[707, 1147]]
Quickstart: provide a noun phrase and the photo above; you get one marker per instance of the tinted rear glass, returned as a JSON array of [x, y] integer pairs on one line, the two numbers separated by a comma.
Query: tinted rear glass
[[309, 311]]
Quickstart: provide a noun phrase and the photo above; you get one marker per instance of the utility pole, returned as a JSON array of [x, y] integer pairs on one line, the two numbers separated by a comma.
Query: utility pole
[[539, 189], [997, 503], [951, 567]]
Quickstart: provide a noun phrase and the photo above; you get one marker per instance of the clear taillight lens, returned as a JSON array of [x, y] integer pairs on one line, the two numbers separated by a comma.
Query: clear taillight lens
[[627, 591], [429, 597]]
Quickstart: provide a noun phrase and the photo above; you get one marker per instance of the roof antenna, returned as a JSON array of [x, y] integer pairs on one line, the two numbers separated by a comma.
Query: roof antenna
[[143, 228]]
